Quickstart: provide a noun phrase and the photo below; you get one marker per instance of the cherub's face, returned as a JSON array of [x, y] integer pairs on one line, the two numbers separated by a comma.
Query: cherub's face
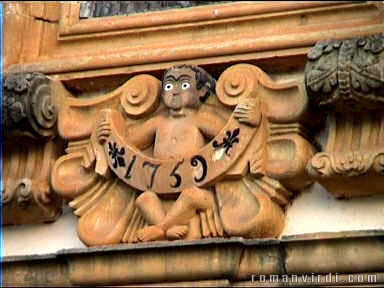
[[180, 89]]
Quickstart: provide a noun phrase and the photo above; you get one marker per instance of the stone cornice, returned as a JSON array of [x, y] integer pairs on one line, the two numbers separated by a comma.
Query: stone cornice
[[134, 264], [82, 53]]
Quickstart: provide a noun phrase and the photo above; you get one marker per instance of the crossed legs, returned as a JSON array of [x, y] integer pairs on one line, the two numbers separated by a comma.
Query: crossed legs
[[175, 224]]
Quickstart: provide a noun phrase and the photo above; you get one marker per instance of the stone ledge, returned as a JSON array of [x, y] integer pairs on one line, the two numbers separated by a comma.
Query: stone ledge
[[235, 259]]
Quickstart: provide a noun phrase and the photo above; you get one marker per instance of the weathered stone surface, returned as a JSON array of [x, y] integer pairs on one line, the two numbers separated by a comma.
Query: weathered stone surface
[[201, 261], [325, 256], [43, 273], [30, 116], [91, 9], [347, 75], [346, 79], [30, 107]]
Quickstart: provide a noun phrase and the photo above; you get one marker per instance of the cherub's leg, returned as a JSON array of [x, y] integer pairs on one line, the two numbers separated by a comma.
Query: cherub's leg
[[182, 213], [152, 210], [185, 210], [175, 223], [150, 207], [186, 205], [246, 209]]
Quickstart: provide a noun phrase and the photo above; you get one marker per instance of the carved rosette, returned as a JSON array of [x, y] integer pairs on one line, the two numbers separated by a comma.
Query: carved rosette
[[30, 114], [345, 78], [241, 165]]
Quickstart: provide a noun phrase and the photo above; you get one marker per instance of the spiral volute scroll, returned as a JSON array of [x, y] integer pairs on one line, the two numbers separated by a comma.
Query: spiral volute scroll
[[141, 95], [237, 83], [320, 165], [30, 105], [42, 107]]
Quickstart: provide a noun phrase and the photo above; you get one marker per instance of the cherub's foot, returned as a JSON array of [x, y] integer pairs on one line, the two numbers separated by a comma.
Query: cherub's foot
[[177, 232], [150, 233]]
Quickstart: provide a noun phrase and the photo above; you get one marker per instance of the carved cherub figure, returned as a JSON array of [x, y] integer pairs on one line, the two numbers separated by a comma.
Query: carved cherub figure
[[181, 131]]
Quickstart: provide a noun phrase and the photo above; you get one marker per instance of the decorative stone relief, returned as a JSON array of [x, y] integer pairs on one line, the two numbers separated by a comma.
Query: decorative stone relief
[[345, 79], [30, 114], [29, 106], [184, 158]]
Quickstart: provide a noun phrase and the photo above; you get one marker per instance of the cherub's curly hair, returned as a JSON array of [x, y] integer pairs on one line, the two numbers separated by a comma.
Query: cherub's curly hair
[[203, 78]]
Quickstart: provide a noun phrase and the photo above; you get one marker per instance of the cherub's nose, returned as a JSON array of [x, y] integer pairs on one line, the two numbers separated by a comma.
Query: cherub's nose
[[176, 92]]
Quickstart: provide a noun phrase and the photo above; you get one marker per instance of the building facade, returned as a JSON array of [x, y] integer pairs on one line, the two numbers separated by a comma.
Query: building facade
[[193, 143]]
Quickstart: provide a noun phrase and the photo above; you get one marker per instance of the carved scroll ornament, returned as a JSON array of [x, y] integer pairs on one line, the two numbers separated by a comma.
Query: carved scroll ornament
[[152, 175], [161, 176], [30, 114], [346, 79], [30, 107]]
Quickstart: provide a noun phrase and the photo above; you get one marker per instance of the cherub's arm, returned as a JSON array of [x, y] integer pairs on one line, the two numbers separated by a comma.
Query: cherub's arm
[[210, 124], [142, 135], [139, 135]]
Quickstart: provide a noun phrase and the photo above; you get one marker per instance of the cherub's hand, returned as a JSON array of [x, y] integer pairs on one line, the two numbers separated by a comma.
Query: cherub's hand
[[248, 112], [103, 130]]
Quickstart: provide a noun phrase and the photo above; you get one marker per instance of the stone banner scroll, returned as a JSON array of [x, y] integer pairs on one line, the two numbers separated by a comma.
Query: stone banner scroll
[[174, 175], [203, 158]]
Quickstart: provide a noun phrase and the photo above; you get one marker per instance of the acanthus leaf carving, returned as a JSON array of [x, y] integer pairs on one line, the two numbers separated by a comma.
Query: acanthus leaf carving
[[346, 74], [346, 79], [350, 164]]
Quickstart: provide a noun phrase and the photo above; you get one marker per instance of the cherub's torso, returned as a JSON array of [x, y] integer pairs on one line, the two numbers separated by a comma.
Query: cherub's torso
[[177, 137]]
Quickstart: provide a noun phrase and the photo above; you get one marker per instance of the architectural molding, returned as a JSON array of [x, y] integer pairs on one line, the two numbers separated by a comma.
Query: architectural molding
[[232, 261], [30, 108], [30, 115], [345, 78], [347, 74], [72, 25], [132, 34]]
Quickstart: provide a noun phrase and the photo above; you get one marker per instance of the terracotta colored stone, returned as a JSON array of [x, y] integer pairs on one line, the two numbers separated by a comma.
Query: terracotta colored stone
[[203, 261], [74, 45], [160, 151], [151, 160]]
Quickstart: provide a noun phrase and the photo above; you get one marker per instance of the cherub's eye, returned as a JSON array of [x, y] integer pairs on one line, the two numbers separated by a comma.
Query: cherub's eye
[[185, 86], [168, 87]]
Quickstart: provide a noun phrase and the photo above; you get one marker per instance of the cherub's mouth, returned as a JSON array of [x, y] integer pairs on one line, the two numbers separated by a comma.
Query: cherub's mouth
[[179, 112], [175, 102]]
